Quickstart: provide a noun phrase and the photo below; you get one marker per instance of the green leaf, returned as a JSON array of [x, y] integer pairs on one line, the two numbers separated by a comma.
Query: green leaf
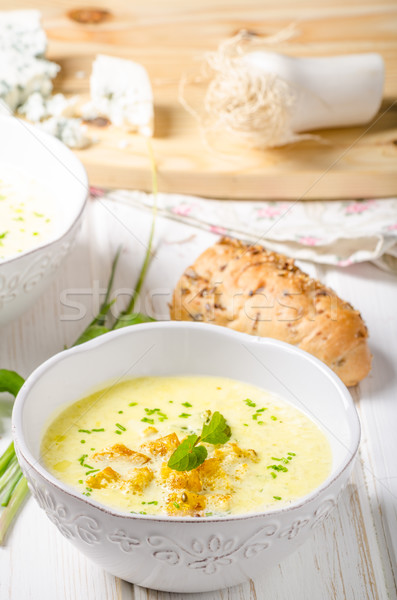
[[10, 382], [90, 333], [125, 320], [188, 456], [217, 431]]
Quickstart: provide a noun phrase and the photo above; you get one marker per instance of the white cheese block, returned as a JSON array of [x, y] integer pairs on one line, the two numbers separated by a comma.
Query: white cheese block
[[121, 91], [70, 131], [21, 33]]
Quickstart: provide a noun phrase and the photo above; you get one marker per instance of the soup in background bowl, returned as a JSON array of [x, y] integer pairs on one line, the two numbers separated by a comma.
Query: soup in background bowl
[[43, 191], [184, 553]]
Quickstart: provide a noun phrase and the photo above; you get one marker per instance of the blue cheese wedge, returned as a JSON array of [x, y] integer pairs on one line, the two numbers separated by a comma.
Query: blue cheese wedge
[[21, 33], [121, 91]]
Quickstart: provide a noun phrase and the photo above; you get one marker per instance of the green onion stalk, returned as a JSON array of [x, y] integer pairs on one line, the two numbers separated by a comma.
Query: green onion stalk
[[13, 485]]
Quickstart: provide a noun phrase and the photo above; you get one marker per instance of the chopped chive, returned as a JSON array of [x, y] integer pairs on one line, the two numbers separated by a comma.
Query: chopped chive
[[82, 441], [291, 453], [277, 497], [209, 514], [187, 404], [184, 415], [255, 416], [121, 427], [120, 412], [273, 475], [260, 410], [82, 458], [84, 431], [153, 502], [92, 449], [249, 402], [275, 458], [96, 430], [146, 420], [118, 432], [171, 401], [245, 424], [133, 403], [92, 471], [176, 505], [273, 418], [142, 512], [88, 489], [261, 422], [80, 481]]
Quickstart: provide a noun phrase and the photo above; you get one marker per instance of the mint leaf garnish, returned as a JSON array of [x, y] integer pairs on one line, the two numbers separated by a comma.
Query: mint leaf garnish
[[217, 431], [189, 455]]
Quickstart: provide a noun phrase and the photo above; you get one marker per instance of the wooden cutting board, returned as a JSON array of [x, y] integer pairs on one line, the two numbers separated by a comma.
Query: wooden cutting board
[[169, 36]]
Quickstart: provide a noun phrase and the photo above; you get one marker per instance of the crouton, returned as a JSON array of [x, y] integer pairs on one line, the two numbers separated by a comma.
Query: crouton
[[150, 431], [103, 479], [186, 503], [137, 479], [118, 452], [219, 502], [212, 475], [181, 480], [162, 446]]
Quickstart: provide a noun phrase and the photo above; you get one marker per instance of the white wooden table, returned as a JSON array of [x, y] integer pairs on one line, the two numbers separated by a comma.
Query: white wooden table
[[351, 556]]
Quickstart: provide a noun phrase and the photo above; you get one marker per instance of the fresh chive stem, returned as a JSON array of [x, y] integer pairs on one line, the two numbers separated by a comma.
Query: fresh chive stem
[[11, 510], [6, 458]]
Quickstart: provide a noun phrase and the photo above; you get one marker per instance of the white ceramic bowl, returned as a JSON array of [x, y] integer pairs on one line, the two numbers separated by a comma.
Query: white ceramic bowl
[[177, 553], [24, 278]]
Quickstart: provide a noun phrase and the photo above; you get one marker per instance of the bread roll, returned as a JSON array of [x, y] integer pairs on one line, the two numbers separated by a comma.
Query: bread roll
[[249, 289]]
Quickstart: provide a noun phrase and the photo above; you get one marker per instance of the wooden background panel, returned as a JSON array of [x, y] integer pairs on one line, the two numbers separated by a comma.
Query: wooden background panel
[[169, 37]]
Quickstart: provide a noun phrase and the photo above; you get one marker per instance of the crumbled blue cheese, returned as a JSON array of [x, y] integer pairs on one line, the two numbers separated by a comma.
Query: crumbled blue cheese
[[23, 70], [70, 131], [37, 108], [121, 91]]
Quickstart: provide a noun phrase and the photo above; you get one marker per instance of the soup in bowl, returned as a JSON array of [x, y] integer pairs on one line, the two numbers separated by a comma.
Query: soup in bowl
[[43, 192], [183, 456]]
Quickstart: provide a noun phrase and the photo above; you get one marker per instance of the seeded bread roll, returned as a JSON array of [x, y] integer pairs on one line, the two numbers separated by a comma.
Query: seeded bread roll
[[249, 289]]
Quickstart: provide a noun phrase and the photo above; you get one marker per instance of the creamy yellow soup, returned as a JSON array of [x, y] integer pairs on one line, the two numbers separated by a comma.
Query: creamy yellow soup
[[27, 212], [115, 444]]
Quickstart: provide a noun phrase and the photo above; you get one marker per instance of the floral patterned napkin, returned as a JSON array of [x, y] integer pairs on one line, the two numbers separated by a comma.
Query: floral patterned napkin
[[329, 232]]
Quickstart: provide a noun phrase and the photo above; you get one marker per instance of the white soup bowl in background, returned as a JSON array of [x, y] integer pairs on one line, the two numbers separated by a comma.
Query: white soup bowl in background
[[23, 278]]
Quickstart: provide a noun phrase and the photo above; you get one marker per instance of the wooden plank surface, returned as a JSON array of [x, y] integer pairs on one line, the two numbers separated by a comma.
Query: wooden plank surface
[[169, 37], [350, 557]]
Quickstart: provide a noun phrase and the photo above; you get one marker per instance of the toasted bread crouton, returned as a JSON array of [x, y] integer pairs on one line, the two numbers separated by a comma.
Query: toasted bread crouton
[[219, 502], [181, 480], [231, 453], [212, 475], [150, 431], [186, 503], [137, 479], [162, 446], [118, 452], [103, 479]]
